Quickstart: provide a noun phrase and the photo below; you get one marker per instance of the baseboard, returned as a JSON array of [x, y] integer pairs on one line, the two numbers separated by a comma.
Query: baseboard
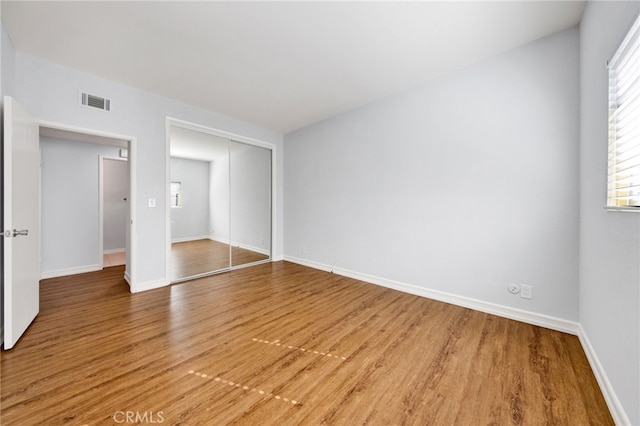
[[148, 285], [218, 239], [127, 278], [242, 246], [70, 271], [186, 239], [528, 317], [252, 248], [615, 407], [111, 251]]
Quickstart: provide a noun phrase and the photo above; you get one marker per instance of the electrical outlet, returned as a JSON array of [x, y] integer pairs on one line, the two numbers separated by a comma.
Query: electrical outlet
[[526, 291], [513, 288]]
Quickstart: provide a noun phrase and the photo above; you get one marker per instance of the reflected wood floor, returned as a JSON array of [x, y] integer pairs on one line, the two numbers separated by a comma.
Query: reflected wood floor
[[282, 344], [191, 258]]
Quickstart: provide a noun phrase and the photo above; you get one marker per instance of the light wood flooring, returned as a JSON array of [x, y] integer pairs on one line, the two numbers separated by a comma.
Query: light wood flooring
[[282, 344], [202, 256], [114, 259]]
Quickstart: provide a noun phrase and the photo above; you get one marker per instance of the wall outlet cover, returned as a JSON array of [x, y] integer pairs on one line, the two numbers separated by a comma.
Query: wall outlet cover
[[526, 291]]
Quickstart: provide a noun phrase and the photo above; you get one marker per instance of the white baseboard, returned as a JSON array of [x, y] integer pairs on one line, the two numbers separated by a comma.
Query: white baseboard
[[70, 271], [218, 239], [127, 278], [242, 246], [615, 407], [185, 239], [252, 248], [148, 285], [528, 317], [111, 251]]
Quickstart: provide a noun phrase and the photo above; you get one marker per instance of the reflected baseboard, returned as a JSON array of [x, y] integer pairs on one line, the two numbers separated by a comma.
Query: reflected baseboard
[[186, 239], [242, 246]]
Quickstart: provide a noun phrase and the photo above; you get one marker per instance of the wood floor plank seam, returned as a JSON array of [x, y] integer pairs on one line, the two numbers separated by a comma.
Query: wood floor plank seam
[[96, 349]]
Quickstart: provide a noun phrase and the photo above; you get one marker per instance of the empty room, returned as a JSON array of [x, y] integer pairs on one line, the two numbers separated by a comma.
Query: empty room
[[420, 213]]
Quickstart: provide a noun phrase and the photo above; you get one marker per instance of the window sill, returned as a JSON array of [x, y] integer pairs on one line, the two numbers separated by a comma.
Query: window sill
[[622, 209]]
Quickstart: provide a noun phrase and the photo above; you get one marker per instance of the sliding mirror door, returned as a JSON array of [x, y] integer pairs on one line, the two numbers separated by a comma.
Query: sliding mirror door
[[220, 203], [250, 203], [199, 203]]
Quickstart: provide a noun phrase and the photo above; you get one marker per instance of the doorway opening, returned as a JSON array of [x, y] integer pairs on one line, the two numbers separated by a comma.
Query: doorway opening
[[113, 198], [82, 173], [22, 202]]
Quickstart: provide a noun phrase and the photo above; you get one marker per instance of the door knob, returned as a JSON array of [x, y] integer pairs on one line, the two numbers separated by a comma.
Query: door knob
[[23, 233]]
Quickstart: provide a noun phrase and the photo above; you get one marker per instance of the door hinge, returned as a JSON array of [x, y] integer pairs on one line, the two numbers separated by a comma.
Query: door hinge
[[15, 233]]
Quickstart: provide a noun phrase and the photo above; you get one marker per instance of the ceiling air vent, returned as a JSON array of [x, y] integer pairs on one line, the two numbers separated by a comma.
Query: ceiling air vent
[[96, 102]]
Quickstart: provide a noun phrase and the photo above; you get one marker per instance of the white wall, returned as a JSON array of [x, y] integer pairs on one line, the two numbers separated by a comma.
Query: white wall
[[115, 178], [70, 205], [461, 186], [610, 241], [219, 199], [50, 92], [7, 70], [192, 220], [250, 179]]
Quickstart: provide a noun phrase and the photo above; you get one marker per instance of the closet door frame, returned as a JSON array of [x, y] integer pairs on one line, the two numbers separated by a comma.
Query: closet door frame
[[175, 122]]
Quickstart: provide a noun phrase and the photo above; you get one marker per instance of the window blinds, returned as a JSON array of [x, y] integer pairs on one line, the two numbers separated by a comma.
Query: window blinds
[[623, 178]]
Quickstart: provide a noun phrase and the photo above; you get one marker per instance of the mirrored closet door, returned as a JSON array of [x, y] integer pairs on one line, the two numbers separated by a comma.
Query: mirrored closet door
[[220, 203], [250, 203]]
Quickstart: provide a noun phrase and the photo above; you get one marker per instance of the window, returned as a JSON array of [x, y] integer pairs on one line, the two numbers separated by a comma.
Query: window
[[176, 194], [623, 177]]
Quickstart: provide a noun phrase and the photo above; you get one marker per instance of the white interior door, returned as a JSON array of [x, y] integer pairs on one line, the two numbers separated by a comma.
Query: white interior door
[[21, 220]]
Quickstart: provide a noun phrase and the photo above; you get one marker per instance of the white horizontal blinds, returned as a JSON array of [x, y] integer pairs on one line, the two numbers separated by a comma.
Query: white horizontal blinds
[[623, 181]]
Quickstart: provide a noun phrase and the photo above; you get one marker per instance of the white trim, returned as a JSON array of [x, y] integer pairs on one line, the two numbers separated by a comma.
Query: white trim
[[127, 278], [242, 246], [614, 404], [251, 248], [149, 285], [274, 200], [100, 211], [167, 204], [101, 208], [186, 239], [116, 250], [528, 317], [132, 148], [217, 132], [70, 271], [218, 239], [622, 209]]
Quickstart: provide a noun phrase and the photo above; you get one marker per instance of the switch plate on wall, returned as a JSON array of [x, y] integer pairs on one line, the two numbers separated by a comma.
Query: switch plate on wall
[[525, 291], [152, 202]]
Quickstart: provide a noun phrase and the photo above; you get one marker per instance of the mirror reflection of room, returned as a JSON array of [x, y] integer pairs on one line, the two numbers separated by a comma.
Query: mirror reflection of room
[[220, 203]]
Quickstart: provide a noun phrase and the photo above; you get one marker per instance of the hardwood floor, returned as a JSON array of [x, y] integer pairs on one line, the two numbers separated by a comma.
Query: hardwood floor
[[282, 344], [191, 258]]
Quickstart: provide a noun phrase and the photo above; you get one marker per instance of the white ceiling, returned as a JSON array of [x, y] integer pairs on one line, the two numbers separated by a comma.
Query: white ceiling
[[281, 65], [194, 145]]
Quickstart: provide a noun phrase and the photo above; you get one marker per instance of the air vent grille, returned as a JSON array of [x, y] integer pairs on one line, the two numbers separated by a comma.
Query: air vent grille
[[96, 102]]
